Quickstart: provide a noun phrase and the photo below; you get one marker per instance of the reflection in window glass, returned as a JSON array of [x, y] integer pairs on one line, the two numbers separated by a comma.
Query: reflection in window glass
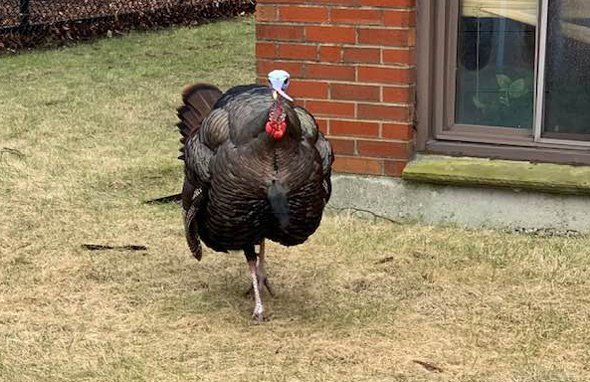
[[496, 63], [567, 71]]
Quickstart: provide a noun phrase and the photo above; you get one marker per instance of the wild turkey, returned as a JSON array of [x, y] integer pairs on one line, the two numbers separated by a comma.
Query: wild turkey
[[256, 168]]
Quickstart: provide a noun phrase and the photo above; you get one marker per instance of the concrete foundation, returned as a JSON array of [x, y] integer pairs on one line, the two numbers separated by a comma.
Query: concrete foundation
[[397, 199]]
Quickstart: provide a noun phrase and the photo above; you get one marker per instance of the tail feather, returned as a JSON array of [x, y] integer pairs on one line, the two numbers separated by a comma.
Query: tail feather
[[198, 100], [277, 197], [191, 229]]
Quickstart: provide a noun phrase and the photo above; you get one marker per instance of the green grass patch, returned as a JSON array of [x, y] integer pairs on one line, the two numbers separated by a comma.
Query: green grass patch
[[360, 301]]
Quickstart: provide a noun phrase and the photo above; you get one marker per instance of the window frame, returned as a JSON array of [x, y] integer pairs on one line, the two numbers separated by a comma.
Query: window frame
[[436, 46]]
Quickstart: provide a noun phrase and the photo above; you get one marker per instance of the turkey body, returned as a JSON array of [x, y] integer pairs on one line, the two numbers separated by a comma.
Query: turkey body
[[238, 209], [242, 185]]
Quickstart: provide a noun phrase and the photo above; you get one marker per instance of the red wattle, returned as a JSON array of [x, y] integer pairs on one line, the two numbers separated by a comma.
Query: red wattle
[[278, 134], [269, 128], [275, 130]]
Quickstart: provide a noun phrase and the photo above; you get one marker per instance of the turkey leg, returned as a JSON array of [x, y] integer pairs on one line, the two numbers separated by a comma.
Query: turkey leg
[[261, 271], [258, 313], [251, 257]]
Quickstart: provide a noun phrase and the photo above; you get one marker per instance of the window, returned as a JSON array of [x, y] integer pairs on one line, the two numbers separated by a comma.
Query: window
[[505, 78]]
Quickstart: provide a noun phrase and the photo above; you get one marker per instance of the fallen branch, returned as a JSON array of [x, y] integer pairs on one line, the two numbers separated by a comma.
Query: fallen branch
[[101, 247]]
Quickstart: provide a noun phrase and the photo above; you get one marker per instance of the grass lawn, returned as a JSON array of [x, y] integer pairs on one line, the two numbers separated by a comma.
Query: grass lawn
[[361, 301]]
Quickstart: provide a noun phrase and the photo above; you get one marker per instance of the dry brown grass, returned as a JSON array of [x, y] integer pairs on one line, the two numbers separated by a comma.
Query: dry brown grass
[[361, 301]]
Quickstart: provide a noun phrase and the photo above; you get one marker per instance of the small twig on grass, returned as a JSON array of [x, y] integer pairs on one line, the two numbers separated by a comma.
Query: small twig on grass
[[359, 211], [546, 232], [101, 247], [165, 199], [11, 151], [428, 366], [385, 260]]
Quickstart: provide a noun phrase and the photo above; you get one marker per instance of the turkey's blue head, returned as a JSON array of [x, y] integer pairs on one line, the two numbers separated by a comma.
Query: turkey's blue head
[[278, 80]]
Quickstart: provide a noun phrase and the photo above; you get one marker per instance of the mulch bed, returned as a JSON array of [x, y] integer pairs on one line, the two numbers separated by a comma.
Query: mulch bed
[[56, 22], [9, 13]]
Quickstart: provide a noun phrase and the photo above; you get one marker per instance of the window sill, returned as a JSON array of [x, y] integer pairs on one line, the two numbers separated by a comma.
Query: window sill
[[478, 172]]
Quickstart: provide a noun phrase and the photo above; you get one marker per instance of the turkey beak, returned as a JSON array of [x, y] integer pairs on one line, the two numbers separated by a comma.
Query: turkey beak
[[279, 81], [277, 90], [284, 95]]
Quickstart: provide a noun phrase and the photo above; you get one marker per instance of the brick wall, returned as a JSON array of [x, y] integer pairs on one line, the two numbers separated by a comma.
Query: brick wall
[[352, 65]]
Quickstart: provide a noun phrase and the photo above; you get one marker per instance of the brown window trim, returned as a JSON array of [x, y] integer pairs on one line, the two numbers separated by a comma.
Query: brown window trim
[[435, 55]]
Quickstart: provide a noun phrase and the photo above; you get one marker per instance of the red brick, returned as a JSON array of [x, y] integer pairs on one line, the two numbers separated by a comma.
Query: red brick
[[266, 50], [303, 14], [399, 56], [332, 72], [298, 52], [330, 53], [400, 131], [412, 37], [394, 168], [358, 165], [399, 18], [354, 128], [385, 75], [308, 89], [342, 146], [330, 108], [381, 149], [384, 112], [330, 34], [314, 2], [398, 95], [279, 32], [334, 2], [362, 55], [356, 16], [266, 13], [355, 92], [387, 3], [323, 125], [263, 67], [384, 37]]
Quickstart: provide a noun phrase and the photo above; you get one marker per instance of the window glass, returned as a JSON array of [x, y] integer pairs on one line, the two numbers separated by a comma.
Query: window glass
[[495, 74], [567, 71]]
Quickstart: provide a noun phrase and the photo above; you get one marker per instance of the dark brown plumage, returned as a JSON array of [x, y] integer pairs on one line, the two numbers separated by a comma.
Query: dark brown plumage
[[242, 185]]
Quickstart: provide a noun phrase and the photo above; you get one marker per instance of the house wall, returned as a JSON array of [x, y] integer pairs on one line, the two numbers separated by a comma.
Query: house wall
[[352, 64]]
